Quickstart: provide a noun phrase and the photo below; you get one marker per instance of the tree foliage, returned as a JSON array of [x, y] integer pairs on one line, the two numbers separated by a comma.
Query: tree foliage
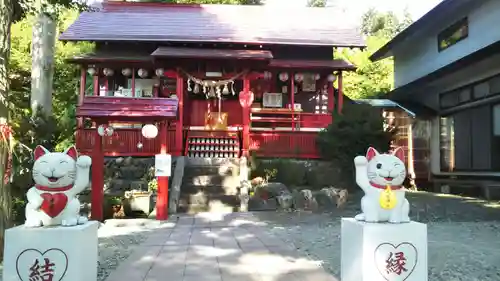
[[235, 2], [372, 79], [316, 3], [359, 127]]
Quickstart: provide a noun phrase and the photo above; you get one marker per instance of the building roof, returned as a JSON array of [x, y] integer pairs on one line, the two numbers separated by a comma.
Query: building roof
[[336, 64], [252, 24], [173, 52], [428, 20]]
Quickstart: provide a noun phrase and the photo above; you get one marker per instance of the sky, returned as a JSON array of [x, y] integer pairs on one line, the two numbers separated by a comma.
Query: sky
[[356, 8]]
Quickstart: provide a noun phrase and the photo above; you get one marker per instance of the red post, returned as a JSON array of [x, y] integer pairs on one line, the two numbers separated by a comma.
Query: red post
[[341, 93], [245, 108], [96, 82], [162, 196], [97, 191], [331, 96], [133, 82], [292, 102], [83, 82], [180, 119]]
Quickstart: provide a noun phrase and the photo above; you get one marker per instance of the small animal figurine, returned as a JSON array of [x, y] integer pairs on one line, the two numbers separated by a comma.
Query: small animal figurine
[[381, 177], [59, 177]]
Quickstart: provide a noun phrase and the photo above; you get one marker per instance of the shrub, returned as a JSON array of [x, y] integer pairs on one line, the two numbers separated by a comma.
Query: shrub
[[350, 134]]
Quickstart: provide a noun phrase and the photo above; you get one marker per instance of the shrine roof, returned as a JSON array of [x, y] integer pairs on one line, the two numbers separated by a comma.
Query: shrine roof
[[212, 53], [244, 24], [336, 64]]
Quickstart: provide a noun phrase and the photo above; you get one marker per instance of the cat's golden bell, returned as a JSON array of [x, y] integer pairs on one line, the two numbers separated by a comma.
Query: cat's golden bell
[[388, 198]]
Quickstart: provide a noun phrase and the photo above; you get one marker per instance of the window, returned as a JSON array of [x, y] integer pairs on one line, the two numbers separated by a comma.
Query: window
[[453, 34]]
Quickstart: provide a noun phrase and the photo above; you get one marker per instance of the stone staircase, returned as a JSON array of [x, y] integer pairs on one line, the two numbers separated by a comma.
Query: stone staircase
[[210, 185]]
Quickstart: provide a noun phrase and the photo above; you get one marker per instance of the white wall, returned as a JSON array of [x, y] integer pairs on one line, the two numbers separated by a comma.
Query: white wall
[[419, 56]]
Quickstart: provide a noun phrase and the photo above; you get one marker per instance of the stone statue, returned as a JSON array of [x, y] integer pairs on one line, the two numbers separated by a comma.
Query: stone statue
[[59, 177], [381, 177]]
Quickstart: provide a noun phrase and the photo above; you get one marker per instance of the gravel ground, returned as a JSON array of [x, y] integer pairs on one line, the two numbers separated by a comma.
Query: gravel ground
[[463, 234]]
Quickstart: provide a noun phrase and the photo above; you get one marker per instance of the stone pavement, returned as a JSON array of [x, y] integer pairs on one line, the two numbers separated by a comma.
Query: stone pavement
[[216, 247]]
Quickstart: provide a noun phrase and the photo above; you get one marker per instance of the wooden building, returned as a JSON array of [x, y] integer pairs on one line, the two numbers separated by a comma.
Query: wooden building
[[447, 70], [214, 80]]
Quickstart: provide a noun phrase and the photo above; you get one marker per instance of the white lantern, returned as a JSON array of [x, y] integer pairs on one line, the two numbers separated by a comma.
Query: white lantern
[[149, 131], [283, 76], [159, 72], [331, 78], [142, 73], [299, 77], [108, 72], [126, 72], [317, 76], [105, 131], [91, 71], [139, 145]]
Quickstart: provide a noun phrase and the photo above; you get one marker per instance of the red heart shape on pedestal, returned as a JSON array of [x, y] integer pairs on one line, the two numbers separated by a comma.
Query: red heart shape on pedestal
[[53, 204]]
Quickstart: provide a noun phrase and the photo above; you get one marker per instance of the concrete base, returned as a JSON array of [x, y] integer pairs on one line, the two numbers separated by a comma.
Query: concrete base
[[383, 251], [66, 253]]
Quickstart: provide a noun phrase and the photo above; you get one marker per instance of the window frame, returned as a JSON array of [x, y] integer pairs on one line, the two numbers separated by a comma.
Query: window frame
[[450, 31]]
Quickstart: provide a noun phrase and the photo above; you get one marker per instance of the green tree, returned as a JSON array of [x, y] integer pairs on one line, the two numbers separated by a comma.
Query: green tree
[[236, 2], [372, 79], [316, 3], [12, 11]]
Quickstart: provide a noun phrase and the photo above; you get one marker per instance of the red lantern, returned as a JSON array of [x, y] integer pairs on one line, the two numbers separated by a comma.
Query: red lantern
[[246, 98]]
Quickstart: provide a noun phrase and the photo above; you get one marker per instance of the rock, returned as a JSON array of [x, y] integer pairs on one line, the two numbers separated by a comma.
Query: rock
[[257, 181], [285, 201], [329, 197], [274, 189], [258, 204], [305, 200]]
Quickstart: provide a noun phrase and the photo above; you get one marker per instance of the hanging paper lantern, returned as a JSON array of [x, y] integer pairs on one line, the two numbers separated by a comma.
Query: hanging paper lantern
[[317, 76], [108, 72], [91, 71], [159, 72], [283, 76], [149, 131], [139, 145], [126, 72], [268, 75], [105, 131], [143, 73], [299, 77], [331, 78]]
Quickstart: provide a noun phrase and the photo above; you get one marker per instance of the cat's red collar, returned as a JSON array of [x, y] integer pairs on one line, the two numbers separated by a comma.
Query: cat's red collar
[[53, 189], [380, 186]]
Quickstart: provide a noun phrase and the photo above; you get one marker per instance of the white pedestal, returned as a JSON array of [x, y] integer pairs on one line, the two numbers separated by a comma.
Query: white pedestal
[[383, 251], [68, 253]]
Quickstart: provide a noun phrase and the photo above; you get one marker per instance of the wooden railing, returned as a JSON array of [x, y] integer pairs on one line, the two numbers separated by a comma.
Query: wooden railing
[[285, 144], [314, 120], [124, 142]]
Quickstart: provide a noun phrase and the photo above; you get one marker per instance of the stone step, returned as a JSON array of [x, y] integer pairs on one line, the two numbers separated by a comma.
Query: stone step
[[211, 203], [208, 161], [210, 189]]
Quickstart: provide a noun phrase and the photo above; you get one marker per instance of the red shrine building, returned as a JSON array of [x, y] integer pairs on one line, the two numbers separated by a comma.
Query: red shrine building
[[207, 80]]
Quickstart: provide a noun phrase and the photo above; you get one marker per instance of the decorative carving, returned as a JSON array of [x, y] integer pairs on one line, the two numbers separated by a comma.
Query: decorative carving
[[59, 177], [381, 177]]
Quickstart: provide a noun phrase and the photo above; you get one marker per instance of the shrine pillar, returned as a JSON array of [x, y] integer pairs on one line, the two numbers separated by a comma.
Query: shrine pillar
[[341, 93], [162, 196], [97, 185], [246, 99], [179, 133]]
